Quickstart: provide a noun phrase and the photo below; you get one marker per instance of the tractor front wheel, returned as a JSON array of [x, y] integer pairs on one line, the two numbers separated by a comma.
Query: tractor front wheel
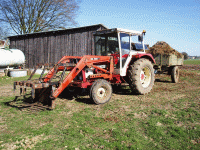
[[141, 76], [101, 91]]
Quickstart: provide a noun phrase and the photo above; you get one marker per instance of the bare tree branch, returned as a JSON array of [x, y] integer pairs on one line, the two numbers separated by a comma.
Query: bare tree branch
[[27, 16], [3, 34]]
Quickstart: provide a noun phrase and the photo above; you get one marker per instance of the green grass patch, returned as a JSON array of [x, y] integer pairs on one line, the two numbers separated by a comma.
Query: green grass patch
[[168, 130], [9, 80], [192, 62], [166, 118]]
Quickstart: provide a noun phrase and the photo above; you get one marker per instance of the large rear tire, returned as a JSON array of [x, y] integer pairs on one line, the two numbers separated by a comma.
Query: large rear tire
[[175, 74], [141, 76], [101, 91]]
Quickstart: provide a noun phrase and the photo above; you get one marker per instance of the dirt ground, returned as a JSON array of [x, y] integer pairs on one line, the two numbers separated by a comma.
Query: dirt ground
[[190, 67], [6, 90]]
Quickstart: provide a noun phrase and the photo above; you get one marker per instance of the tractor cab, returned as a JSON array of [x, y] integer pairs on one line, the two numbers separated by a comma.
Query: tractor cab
[[122, 44]]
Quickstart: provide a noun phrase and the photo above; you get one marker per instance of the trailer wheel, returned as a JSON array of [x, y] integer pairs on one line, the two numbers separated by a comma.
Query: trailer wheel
[[141, 76], [101, 91], [175, 74]]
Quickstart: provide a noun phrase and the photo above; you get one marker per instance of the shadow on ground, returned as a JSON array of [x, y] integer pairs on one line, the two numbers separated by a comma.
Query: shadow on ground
[[27, 104], [162, 80]]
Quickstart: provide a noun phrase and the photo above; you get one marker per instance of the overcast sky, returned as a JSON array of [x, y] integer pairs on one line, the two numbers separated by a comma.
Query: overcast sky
[[176, 22]]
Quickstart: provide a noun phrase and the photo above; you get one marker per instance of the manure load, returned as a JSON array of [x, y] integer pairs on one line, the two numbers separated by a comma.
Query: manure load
[[163, 48], [165, 55]]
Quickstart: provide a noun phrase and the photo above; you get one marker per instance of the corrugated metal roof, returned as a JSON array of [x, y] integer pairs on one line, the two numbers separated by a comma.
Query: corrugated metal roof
[[58, 30]]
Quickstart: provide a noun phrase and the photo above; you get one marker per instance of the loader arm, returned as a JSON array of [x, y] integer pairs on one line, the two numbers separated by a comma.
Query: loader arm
[[63, 60], [75, 71], [88, 61], [46, 89]]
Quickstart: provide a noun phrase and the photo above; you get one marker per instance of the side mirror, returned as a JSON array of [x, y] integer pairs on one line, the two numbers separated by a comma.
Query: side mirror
[[140, 38]]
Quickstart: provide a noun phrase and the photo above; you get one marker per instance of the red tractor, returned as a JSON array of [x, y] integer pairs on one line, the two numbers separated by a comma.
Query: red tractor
[[117, 61]]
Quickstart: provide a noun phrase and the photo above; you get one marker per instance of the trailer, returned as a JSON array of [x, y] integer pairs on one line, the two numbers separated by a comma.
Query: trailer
[[168, 64]]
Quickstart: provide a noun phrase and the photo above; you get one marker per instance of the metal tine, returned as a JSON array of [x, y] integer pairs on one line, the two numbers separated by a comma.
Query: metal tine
[[20, 90], [55, 71], [33, 72], [42, 73], [33, 93], [14, 87], [24, 91], [63, 73]]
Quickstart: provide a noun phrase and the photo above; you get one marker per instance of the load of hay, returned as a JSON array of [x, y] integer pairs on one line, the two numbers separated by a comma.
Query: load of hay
[[163, 48]]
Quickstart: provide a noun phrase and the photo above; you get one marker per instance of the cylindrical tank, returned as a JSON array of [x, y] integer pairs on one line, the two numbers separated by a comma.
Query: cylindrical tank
[[17, 73], [11, 57]]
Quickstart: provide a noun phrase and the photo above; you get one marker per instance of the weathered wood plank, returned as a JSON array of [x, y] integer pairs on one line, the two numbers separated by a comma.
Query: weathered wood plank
[[49, 47]]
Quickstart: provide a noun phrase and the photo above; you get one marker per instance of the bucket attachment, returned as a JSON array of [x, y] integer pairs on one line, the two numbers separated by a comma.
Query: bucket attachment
[[40, 91]]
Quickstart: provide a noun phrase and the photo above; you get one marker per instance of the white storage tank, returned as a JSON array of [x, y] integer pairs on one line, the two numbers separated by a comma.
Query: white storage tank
[[11, 57], [18, 73]]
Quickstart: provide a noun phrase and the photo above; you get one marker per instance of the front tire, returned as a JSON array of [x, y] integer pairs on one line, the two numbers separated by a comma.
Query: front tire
[[141, 76], [101, 91]]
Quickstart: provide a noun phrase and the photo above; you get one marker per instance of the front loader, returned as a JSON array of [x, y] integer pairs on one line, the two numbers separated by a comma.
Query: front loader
[[116, 62]]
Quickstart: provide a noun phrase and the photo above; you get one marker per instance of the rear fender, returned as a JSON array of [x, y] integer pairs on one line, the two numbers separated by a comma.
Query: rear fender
[[135, 56], [147, 56]]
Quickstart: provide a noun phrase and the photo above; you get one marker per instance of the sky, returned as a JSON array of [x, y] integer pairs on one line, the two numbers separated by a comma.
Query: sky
[[176, 22]]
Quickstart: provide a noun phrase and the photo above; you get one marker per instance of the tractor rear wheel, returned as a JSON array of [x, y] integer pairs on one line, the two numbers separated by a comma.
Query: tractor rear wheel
[[141, 76], [101, 91], [175, 74]]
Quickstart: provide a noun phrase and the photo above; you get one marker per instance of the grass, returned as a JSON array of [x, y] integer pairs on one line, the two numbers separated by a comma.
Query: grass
[[166, 118], [192, 62], [9, 80]]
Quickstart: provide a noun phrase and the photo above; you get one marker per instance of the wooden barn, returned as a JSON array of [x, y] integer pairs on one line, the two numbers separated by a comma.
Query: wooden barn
[[49, 47]]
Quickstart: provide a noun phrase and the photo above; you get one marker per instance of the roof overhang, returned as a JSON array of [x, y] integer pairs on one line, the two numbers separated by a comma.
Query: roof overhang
[[130, 32], [54, 31], [117, 30]]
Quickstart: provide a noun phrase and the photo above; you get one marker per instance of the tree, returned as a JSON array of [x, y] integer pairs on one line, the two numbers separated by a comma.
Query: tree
[[185, 55], [3, 34], [28, 16]]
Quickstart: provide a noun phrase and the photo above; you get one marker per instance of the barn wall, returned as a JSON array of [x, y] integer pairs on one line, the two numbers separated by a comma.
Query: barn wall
[[50, 47]]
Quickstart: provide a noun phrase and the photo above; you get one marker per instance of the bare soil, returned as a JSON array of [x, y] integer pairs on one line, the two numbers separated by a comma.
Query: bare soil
[[190, 67], [6, 91]]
